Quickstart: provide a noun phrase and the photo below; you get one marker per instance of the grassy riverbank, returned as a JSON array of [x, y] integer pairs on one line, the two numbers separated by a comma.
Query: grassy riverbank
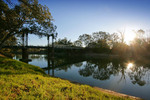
[[19, 80]]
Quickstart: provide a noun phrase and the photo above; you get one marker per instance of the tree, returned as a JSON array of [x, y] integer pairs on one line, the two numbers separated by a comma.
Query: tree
[[78, 43], [8, 21], [139, 40], [27, 17], [122, 35], [64, 41], [140, 33], [121, 49], [113, 39], [99, 47], [140, 45], [100, 36], [148, 36], [85, 38]]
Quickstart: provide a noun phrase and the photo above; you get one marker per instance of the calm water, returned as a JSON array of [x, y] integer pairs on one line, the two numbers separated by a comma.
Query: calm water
[[128, 77]]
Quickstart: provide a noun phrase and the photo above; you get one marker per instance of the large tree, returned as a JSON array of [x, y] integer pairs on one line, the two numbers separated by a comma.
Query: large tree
[[113, 40], [64, 41], [78, 43], [100, 36], [28, 16], [122, 35], [86, 39]]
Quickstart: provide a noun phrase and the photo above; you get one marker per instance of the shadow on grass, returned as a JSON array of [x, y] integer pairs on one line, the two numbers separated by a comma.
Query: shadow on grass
[[10, 66]]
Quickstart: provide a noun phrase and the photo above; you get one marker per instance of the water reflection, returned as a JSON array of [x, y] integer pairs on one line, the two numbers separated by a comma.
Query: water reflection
[[51, 66], [100, 69], [139, 75], [121, 75], [103, 69]]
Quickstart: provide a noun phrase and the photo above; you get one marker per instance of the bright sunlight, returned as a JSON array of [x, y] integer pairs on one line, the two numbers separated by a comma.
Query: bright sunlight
[[130, 65], [129, 36]]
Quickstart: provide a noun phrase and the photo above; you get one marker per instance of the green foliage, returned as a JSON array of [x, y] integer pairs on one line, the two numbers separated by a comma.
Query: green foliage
[[98, 42], [103, 42], [27, 17], [23, 81], [121, 49], [9, 22], [85, 38], [64, 41], [140, 46], [78, 43], [100, 47], [100, 36]]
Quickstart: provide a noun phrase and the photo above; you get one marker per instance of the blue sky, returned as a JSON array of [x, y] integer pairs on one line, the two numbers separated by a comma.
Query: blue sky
[[76, 17]]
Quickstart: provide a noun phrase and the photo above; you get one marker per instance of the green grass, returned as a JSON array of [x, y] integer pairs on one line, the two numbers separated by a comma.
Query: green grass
[[19, 80]]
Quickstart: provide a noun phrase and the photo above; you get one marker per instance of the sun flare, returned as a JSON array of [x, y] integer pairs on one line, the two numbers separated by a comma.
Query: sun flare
[[129, 36], [130, 65]]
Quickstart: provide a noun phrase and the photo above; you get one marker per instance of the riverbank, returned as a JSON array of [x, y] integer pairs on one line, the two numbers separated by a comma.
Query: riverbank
[[19, 80]]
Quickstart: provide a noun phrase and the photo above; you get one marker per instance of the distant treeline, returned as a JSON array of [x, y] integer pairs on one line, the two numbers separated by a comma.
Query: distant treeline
[[104, 42]]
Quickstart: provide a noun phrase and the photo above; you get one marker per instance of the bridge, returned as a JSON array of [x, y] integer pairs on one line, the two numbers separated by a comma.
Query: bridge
[[50, 48], [25, 46], [44, 47]]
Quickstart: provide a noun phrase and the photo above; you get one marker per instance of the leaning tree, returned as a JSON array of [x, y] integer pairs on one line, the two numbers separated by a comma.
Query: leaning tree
[[27, 16]]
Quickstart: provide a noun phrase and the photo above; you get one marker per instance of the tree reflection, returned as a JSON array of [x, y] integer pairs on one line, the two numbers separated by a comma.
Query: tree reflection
[[88, 69], [102, 74], [79, 64], [138, 75], [65, 63], [100, 69], [103, 69]]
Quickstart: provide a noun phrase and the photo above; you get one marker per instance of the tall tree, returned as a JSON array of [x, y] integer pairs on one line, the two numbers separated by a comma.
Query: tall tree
[[78, 43], [113, 39], [139, 40], [64, 41], [27, 17], [122, 35], [99, 36], [86, 39], [140, 33]]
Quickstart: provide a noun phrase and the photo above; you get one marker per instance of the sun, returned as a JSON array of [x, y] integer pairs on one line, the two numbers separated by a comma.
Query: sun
[[129, 65], [129, 36]]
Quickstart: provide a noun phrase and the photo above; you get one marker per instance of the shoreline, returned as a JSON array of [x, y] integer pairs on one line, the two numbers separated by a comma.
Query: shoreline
[[105, 91], [117, 93]]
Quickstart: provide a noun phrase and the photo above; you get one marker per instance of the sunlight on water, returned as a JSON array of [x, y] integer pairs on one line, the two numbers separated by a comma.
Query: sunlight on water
[[125, 76], [130, 65]]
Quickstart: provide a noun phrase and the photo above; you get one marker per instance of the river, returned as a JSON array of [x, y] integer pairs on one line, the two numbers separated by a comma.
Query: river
[[124, 76]]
